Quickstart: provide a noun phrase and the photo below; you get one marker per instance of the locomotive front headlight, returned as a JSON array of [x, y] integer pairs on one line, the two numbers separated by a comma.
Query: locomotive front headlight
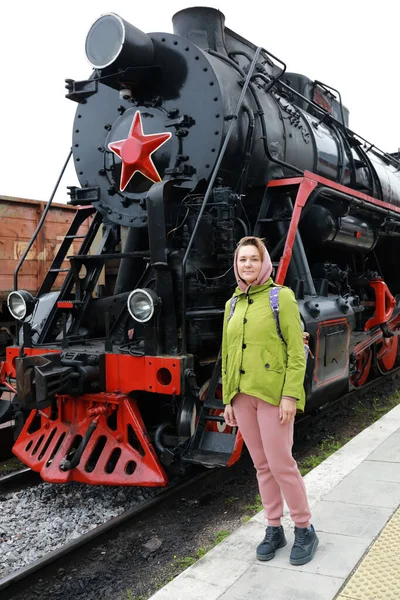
[[142, 304], [20, 304]]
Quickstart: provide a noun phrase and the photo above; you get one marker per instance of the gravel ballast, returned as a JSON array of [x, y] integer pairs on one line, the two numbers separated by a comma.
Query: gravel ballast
[[40, 519]]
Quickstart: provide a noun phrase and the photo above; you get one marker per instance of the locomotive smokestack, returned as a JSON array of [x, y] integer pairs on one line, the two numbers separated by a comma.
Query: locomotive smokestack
[[113, 42], [204, 27]]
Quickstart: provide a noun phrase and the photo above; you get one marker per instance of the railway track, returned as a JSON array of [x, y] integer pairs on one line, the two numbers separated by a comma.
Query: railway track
[[19, 580], [18, 479]]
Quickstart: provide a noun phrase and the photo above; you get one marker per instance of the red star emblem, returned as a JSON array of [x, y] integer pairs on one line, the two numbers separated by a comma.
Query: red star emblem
[[136, 151]]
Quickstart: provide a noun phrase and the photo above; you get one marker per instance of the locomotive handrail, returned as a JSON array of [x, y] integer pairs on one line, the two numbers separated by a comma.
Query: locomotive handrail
[[209, 189], [270, 83], [388, 157], [328, 88], [264, 51], [40, 224]]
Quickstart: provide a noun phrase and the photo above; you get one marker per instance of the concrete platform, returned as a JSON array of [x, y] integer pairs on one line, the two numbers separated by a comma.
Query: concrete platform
[[353, 495]]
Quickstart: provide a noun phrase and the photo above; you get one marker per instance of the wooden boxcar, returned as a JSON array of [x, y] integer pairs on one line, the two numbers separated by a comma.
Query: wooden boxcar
[[19, 218]]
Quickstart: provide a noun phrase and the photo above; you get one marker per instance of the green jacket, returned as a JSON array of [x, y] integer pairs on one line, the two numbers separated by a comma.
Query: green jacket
[[255, 361]]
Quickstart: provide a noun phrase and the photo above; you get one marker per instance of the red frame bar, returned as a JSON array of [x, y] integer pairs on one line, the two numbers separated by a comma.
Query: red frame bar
[[307, 184], [65, 304], [124, 373], [158, 374], [385, 302], [334, 186], [303, 193]]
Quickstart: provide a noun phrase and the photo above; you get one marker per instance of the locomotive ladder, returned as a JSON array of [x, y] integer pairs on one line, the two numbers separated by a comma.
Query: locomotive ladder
[[78, 286], [68, 298], [72, 234]]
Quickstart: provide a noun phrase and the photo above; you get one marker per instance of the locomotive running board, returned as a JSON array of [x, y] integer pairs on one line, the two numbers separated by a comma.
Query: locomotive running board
[[118, 451]]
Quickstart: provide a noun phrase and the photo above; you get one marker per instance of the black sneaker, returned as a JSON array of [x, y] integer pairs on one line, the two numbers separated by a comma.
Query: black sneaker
[[274, 539], [305, 545]]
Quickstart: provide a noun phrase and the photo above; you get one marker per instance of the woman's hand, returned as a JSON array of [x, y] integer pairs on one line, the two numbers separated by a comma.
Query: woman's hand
[[229, 416], [287, 409]]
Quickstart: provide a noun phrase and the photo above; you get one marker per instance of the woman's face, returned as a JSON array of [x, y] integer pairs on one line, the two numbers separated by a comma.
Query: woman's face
[[249, 263]]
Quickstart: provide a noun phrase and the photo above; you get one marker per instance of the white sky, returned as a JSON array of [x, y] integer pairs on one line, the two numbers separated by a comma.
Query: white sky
[[349, 44]]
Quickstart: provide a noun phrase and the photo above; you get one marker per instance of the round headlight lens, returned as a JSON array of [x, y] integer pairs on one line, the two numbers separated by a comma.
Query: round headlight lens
[[141, 304], [20, 304]]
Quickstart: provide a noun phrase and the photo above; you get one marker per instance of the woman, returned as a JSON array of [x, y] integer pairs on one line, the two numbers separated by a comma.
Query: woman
[[262, 379]]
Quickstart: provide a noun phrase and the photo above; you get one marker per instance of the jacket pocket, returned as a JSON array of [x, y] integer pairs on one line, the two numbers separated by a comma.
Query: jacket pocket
[[271, 362]]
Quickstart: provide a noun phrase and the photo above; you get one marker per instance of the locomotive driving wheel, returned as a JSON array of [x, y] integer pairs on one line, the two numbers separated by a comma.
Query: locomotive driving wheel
[[363, 366], [386, 354]]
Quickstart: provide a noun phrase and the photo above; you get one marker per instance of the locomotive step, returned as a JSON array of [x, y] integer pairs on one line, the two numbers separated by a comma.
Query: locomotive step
[[4, 388], [109, 256], [214, 418], [214, 403], [211, 448], [272, 220], [204, 458]]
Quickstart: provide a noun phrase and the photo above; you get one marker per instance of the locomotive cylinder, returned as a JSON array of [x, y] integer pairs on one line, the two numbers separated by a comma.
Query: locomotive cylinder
[[321, 227], [113, 42]]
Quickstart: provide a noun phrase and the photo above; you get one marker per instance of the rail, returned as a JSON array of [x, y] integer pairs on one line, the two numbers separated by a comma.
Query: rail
[[9, 582]]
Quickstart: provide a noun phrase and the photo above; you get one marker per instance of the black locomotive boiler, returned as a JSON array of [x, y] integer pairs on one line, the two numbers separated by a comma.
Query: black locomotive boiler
[[182, 144]]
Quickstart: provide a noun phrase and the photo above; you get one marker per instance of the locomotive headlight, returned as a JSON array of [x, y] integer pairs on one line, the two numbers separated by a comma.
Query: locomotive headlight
[[142, 304], [20, 304]]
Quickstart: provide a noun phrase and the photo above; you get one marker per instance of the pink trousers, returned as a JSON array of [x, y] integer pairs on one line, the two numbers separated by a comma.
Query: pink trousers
[[270, 447]]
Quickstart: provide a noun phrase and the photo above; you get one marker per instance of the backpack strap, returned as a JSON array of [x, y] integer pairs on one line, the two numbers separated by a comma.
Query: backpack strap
[[232, 306], [274, 304]]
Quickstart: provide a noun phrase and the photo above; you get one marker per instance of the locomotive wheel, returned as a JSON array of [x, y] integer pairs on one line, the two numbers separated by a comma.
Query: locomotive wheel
[[386, 354], [187, 418], [215, 425], [363, 364]]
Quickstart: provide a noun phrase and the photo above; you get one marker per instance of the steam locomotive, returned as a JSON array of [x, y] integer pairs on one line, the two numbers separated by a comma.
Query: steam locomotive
[[183, 143]]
